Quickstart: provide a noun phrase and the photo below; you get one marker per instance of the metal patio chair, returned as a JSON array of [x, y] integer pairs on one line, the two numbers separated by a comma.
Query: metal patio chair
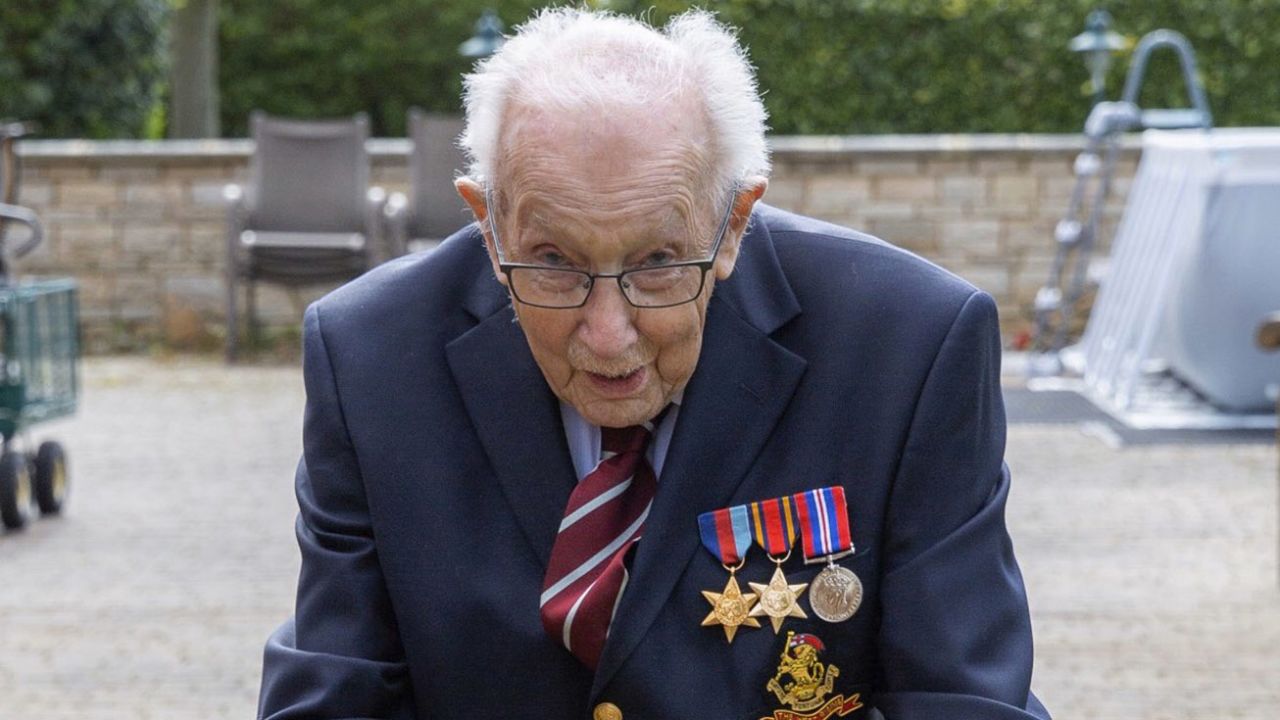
[[433, 210], [308, 214]]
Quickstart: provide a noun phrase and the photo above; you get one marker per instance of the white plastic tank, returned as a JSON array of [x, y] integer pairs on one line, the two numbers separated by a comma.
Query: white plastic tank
[[1226, 274], [1195, 268]]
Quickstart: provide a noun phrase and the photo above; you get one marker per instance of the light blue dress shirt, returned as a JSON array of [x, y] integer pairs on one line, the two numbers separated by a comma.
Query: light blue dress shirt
[[584, 439]]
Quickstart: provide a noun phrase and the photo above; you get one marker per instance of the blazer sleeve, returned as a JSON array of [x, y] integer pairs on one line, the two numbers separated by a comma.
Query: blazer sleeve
[[955, 635], [340, 656]]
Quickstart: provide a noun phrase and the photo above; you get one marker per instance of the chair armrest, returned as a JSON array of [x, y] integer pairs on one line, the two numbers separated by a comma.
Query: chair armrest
[[237, 218], [395, 217], [237, 203], [27, 217], [1269, 332], [375, 201]]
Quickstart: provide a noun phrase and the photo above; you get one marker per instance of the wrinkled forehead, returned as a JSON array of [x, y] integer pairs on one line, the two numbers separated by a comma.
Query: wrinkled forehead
[[606, 155]]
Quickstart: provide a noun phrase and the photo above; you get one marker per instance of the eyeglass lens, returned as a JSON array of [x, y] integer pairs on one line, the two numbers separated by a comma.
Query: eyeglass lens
[[648, 287]]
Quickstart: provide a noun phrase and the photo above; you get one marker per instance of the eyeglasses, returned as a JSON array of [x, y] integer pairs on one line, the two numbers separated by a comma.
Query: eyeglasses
[[651, 287]]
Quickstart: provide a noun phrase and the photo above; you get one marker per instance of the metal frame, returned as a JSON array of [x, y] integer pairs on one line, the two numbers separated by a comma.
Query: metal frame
[[1076, 234], [41, 350]]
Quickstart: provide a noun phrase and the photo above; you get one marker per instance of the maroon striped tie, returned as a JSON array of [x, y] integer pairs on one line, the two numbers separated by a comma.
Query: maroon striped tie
[[602, 522]]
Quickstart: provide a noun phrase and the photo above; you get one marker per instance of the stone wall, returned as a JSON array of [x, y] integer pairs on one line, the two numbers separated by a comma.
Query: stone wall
[[141, 225]]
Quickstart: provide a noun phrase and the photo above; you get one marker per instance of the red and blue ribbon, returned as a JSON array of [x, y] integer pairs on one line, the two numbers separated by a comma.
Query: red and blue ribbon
[[824, 523], [774, 525], [726, 533]]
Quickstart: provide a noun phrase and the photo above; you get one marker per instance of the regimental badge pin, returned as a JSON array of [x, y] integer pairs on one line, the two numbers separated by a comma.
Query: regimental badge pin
[[773, 524], [726, 534], [803, 683]]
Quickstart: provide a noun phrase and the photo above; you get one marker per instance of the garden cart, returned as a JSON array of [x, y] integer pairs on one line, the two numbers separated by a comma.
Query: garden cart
[[39, 355]]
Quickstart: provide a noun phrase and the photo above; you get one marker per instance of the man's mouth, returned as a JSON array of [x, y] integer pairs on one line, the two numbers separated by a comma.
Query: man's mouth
[[617, 385]]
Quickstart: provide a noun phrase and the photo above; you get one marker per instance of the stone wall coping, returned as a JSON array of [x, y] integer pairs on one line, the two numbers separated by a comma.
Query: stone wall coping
[[968, 144], [161, 151], [808, 146]]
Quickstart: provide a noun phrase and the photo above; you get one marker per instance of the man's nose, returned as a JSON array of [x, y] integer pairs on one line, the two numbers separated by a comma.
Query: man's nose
[[607, 328]]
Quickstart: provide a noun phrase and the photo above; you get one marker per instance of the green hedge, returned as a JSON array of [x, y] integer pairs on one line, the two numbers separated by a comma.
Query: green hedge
[[94, 68], [83, 68], [827, 66], [917, 66], [324, 58]]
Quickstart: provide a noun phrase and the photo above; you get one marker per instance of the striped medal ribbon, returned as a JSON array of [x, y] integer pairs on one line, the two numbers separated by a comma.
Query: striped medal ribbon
[[726, 534], [823, 514], [774, 524]]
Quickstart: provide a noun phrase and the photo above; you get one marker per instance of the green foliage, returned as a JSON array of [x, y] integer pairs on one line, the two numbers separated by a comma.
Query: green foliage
[[827, 66], [95, 68], [907, 66], [82, 68], [317, 58]]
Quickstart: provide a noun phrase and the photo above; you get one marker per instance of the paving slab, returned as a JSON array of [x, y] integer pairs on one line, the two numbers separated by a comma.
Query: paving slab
[[1151, 570]]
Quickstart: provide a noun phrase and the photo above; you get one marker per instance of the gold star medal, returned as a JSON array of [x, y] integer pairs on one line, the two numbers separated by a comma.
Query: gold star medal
[[731, 608], [726, 534], [778, 600], [774, 526]]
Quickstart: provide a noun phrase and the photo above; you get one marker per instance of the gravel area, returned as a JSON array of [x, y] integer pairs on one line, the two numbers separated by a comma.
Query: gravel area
[[1152, 570]]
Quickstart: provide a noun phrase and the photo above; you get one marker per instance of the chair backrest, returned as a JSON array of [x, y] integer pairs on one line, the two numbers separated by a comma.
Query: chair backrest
[[10, 185], [308, 175], [436, 210]]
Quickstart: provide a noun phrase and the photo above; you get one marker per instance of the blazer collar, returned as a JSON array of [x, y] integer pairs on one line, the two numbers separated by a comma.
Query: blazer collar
[[485, 296], [739, 390], [758, 291]]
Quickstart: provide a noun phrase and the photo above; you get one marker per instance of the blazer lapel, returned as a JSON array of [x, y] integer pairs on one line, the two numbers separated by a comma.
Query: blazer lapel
[[517, 419], [742, 386]]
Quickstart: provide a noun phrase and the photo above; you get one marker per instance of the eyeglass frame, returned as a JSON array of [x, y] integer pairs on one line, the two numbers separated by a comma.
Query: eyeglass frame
[[704, 265]]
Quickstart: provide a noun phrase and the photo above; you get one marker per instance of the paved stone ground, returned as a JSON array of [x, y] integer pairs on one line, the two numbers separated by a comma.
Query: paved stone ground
[[1151, 570]]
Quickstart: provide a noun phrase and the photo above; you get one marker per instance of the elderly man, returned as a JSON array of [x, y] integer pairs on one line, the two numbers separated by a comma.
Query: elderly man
[[539, 460]]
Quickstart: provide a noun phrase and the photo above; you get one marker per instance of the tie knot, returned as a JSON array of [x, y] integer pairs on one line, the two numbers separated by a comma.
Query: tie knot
[[634, 438], [622, 440]]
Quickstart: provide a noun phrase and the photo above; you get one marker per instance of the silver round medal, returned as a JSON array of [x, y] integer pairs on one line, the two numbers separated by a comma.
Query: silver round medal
[[835, 594]]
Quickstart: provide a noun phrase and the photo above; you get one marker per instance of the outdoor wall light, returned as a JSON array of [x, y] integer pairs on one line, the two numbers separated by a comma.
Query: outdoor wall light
[[1097, 43], [488, 37]]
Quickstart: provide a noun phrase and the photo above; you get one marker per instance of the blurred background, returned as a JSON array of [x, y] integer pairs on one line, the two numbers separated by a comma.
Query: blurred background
[[114, 68], [179, 178]]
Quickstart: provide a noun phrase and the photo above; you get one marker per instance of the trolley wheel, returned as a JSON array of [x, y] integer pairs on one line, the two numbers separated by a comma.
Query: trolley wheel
[[51, 484], [15, 490]]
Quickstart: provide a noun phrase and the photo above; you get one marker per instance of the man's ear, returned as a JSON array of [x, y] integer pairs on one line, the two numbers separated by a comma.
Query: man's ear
[[473, 195], [749, 193]]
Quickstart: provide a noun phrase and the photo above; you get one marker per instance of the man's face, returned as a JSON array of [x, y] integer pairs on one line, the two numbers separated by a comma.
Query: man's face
[[606, 197]]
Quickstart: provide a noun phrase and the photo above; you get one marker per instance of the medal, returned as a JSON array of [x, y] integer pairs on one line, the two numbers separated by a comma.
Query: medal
[[730, 608], [773, 524], [726, 534], [836, 594], [824, 530]]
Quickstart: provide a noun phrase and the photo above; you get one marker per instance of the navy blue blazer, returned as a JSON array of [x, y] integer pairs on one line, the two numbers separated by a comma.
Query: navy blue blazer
[[435, 473]]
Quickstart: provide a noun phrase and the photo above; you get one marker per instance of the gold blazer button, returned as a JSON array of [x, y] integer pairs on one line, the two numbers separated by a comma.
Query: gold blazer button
[[606, 711]]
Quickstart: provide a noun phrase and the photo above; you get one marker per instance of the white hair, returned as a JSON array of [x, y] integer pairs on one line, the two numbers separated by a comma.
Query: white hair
[[566, 59]]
